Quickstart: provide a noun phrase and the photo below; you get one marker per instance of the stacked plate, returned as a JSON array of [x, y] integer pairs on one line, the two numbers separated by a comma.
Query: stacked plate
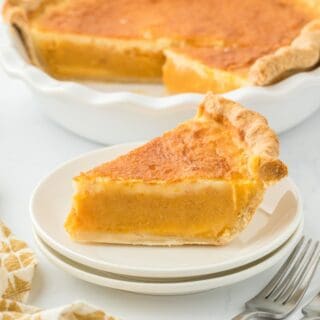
[[160, 270]]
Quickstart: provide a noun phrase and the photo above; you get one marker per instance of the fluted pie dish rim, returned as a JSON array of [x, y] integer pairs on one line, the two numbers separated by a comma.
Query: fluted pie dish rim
[[96, 114]]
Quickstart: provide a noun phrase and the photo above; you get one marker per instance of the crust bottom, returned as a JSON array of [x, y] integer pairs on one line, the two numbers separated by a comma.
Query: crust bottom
[[143, 239]]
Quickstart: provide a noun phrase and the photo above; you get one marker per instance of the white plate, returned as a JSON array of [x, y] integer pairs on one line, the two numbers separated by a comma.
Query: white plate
[[51, 202], [118, 113], [175, 286]]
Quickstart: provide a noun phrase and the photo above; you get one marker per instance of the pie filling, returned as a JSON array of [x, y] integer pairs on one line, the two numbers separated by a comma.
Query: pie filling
[[65, 57], [203, 210]]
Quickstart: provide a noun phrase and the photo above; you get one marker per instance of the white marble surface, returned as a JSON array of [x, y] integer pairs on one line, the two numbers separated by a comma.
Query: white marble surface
[[31, 146]]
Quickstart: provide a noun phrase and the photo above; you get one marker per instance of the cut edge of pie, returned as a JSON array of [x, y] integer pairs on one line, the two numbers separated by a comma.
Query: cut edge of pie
[[146, 58], [180, 65], [151, 197]]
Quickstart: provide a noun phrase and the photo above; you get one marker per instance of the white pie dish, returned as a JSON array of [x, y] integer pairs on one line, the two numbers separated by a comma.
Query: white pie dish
[[172, 286], [51, 202], [116, 113]]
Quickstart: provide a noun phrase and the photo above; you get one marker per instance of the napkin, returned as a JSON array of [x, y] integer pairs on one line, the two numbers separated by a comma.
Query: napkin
[[17, 266], [11, 310]]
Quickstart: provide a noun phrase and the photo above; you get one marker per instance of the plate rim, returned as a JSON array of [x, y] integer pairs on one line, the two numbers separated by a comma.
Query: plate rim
[[133, 271], [174, 288]]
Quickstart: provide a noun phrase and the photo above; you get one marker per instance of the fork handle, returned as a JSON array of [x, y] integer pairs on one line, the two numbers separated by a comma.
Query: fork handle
[[248, 314]]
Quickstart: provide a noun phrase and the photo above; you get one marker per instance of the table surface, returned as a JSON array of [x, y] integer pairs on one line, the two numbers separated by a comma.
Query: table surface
[[31, 146]]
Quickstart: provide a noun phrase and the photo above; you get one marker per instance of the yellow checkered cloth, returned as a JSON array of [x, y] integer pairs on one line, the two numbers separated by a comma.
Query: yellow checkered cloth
[[17, 266]]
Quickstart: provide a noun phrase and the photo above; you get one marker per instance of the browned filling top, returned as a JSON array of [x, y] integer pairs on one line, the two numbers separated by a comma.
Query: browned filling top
[[256, 26], [241, 21], [194, 150]]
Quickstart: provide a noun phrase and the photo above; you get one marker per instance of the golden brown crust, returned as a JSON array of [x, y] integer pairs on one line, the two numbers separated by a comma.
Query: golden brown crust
[[302, 54], [26, 5], [260, 139], [150, 240], [16, 12], [250, 125]]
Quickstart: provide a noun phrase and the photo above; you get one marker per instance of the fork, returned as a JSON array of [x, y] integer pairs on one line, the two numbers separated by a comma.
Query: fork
[[284, 292], [312, 309]]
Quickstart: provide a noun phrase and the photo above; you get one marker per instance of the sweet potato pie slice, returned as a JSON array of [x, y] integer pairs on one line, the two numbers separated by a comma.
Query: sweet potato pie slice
[[199, 183]]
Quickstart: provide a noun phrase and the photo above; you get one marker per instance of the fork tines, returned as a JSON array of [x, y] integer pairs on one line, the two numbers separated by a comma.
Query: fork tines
[[293, 278]]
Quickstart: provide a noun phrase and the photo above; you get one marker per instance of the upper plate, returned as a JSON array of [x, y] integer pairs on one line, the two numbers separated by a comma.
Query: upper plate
[[51, 202], [118, 113]]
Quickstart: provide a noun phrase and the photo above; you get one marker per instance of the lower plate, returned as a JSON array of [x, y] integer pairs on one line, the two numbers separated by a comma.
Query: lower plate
[[170, 286]]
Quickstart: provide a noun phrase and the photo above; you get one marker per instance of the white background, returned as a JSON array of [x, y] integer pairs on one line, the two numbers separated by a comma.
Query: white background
[[31, 146]]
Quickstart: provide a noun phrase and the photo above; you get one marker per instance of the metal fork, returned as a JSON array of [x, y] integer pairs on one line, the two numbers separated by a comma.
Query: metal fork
[[284, 292], [312, 310]]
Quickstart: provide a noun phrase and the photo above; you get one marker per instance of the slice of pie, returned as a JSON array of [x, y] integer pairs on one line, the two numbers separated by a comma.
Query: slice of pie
[[199, 183], [202, 44]]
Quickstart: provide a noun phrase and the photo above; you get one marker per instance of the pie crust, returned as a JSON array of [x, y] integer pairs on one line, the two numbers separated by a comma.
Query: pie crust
[[302, 54], [65, 48], [199, 183]]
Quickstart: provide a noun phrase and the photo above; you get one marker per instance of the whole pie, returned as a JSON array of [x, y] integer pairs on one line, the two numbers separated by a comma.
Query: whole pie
[[199, 183], [194, 45]]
